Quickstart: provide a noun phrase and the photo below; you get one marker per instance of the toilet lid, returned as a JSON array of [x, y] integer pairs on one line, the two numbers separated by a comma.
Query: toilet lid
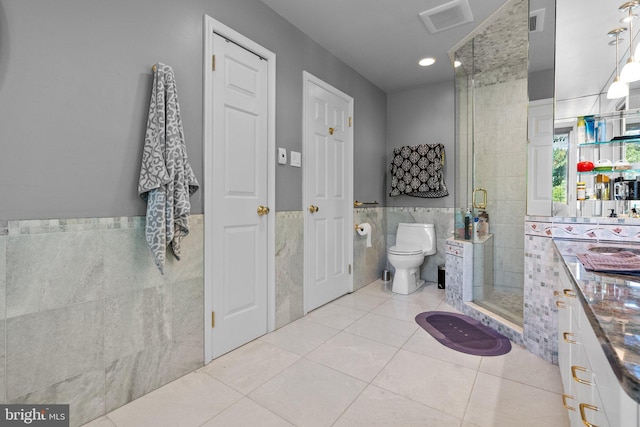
[[404, 250]]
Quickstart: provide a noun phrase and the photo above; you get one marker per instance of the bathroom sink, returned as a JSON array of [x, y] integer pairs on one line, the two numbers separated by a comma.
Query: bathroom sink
[[614, 249]]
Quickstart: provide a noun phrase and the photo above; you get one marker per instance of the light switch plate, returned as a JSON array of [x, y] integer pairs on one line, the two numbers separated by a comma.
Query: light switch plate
[[296, 159], [282, 156]]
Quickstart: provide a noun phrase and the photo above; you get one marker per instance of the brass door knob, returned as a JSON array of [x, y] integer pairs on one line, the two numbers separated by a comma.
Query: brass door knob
[[313, 209], [331, 131], [263, 210]]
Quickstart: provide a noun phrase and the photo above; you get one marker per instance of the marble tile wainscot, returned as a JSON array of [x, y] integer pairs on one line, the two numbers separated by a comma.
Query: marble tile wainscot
[[89, 319], [368, 263]]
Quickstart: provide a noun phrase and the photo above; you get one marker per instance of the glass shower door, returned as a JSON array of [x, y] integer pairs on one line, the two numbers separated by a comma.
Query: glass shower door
[[491, 131]]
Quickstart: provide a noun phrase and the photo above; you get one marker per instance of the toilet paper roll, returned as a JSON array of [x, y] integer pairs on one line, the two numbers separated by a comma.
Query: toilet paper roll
[[364, 229]]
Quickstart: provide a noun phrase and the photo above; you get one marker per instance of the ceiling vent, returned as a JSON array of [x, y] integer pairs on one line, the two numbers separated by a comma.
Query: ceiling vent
[[447, 16], [536, 21]]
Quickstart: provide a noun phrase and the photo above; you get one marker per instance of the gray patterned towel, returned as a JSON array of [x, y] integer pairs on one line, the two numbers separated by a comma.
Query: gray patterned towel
[[166, 179]]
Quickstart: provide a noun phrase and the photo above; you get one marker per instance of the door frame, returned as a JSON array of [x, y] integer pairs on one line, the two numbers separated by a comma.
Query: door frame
[[210, 26], [308, 79]]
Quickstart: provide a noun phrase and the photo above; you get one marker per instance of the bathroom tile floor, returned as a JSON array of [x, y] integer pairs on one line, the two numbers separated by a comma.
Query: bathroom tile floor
[[358, 361]]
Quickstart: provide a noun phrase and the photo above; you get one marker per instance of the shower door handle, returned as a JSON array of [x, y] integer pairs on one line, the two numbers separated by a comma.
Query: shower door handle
[[477, 204]]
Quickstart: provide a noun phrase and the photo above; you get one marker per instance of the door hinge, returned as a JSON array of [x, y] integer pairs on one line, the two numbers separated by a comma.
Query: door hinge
[[213, 319], [350, 121], [349, 268], [213, 62]]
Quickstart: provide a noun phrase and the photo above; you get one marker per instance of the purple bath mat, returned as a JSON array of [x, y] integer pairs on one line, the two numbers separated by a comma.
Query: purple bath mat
[[464, 334]]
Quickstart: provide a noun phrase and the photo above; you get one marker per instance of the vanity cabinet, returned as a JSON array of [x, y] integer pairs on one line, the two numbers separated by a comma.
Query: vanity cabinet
[[592, 393]]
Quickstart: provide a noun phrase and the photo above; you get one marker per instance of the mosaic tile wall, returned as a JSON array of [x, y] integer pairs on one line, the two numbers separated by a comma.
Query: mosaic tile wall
[[458, 292], [542, 269], [88, 319], [458, 272], [501, 50], [540, 312]]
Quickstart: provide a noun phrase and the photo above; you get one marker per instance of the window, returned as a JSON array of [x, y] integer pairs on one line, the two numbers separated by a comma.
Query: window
[[560, 156]]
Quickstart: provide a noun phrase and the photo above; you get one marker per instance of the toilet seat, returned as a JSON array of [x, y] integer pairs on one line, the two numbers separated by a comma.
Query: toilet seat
[[395, 250]]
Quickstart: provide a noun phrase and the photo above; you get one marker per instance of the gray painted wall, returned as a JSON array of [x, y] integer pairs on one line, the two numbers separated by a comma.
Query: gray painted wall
[[541, 84], [421, 115], [74, 93]]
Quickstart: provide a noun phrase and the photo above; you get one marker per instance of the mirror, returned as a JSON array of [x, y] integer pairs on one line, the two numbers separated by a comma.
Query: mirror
[[585, 66]]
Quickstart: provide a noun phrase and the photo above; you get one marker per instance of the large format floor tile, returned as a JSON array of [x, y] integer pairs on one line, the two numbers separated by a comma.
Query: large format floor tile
[[250, 365], [378, 407], [300, 337], [432, 382], [499, 402], [335, 316], [358, 361], [188, 401], [309, 394], [353, 355], [246, 413], [384, 329]]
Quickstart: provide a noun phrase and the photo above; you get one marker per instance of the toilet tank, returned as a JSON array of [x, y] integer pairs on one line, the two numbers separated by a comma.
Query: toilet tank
[[417, 235]]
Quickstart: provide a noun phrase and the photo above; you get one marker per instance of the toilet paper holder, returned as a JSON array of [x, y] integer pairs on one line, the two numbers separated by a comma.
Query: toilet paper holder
[[357, 227]]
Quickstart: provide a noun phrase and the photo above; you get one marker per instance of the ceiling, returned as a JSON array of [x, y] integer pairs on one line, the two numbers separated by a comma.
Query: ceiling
[[383, 39], [585, 64]]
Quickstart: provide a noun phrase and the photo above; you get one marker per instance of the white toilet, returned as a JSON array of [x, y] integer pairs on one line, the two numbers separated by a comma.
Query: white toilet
[[413, 243]]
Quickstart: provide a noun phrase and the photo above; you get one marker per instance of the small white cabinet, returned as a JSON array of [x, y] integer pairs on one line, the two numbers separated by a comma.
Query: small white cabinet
[[592, 395]]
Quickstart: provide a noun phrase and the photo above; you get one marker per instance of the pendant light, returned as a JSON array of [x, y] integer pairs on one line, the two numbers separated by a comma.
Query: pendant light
[[618, 88], [631, 70]]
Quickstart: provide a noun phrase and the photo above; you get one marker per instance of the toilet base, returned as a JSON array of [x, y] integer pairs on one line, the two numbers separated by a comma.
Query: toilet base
[[406, 282]]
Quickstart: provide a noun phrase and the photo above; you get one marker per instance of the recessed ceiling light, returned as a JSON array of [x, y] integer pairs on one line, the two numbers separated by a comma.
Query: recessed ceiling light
[[457, 63], [425, 62]]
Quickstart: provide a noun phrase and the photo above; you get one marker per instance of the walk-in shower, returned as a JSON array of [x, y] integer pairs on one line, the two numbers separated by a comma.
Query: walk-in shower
[[491, 154]]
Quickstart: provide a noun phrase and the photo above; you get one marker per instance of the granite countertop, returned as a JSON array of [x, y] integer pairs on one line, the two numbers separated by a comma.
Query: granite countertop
[[612, 305]]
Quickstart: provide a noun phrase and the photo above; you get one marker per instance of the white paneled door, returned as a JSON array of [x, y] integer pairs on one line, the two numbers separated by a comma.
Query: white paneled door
[[328, 192], [540, 158], [240, 211]]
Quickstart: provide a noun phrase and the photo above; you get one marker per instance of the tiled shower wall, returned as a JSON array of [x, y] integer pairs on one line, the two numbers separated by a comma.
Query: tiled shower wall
[[500, 54], [86, 317]]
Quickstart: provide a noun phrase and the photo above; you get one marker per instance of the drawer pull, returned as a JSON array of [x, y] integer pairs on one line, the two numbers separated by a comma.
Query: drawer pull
[[557, 293], [566, 336], [569, 293], [584, 406], [575, 368], [560, 304], [564, 402]]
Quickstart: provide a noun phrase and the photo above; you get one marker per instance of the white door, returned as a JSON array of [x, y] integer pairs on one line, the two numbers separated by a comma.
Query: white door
[[540, 158], [328, 192], [239, 255]]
